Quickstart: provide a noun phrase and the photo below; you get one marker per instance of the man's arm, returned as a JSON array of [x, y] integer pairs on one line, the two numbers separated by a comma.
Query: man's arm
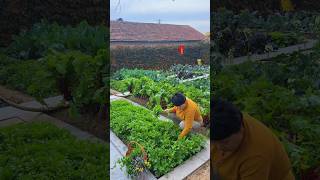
[[255, 168], [170, 110], [187, 124]]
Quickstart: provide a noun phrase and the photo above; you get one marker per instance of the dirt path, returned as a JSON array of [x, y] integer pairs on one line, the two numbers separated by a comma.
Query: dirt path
[[203, 173], [14, 96]]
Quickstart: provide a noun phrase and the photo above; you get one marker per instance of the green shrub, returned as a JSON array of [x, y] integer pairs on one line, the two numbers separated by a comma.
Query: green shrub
[[41, 151]]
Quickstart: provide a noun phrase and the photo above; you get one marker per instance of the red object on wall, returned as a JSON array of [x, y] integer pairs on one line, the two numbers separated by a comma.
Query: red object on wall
[[181, 49]]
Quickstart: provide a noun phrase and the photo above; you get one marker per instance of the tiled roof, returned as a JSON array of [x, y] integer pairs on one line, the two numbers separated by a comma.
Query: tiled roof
[[132, 31]]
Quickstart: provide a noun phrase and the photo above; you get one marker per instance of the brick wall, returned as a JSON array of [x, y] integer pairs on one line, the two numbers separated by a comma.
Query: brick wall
[[151, 44], [157, 57]]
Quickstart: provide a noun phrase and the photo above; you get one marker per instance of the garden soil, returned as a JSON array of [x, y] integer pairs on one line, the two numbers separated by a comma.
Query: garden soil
[[203, 173]]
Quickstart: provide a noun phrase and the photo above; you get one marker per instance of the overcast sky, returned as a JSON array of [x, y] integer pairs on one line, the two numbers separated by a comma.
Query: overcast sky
[[195, 13]]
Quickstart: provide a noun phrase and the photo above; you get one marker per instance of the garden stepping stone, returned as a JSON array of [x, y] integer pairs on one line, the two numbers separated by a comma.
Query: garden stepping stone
[[11, 112]]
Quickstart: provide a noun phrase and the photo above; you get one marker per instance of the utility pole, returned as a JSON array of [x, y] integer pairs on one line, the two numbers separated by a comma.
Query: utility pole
[[159, 21]]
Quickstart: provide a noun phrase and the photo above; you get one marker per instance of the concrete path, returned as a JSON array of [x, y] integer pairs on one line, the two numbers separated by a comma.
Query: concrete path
[[115, 171], [192, 79], [11, 112], [287, 50], [10, 115]]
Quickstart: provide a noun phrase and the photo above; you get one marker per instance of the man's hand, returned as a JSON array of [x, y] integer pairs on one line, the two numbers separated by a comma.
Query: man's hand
[[180, 137], [201, 123], [167, 111]]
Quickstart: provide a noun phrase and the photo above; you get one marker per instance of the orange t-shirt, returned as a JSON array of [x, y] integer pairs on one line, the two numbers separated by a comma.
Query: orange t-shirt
[[261, 156], [188, 115]]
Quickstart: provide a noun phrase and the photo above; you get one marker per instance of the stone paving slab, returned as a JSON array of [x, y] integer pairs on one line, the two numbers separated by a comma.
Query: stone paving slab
[[11, 112], [11, 115], [10, 121], [178, 173], [115, 171], [51, 102], [121, 147], [27, 116]]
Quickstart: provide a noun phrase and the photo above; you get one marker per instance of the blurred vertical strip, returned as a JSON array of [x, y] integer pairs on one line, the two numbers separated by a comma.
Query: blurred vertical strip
[[17, 15]]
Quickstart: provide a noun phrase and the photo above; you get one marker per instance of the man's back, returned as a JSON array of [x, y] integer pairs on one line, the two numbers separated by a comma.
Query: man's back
[[260, 156]]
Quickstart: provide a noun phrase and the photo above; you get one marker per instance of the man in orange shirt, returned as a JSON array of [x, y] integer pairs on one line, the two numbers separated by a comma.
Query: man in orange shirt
[[243, 148], [186, 113]]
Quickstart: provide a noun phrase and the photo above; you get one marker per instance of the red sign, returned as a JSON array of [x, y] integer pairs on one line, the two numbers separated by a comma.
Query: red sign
[[181, 49]]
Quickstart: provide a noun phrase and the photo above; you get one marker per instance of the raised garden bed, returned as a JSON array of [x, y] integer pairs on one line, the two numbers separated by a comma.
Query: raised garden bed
[[159, 138], [41, 150], [156, 88], [144, 102], [158, 94]]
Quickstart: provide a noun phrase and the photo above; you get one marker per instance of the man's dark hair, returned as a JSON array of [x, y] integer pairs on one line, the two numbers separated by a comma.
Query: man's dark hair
[[226, 119], [178, 99]]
